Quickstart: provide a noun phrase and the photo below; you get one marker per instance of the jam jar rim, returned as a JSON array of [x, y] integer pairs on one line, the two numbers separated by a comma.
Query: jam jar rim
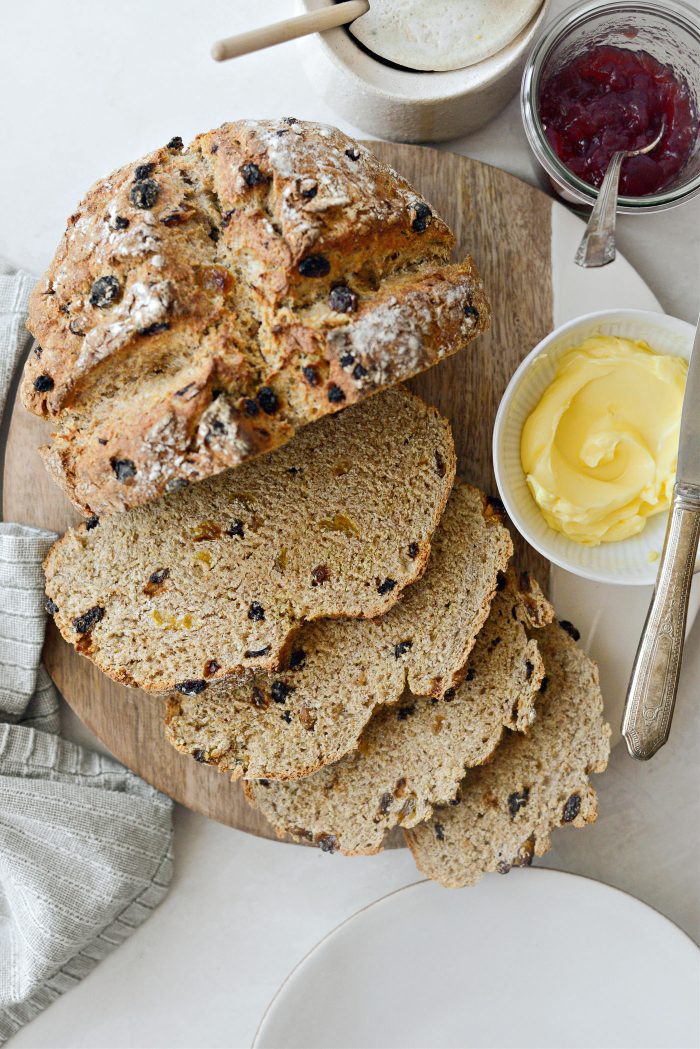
[[674, 11]]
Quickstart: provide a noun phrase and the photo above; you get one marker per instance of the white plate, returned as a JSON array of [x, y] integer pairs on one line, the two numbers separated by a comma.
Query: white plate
[[609, 617], [539, 959]]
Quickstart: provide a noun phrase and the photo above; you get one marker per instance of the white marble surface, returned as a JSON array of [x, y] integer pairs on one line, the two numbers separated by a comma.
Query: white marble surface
[[85, 86]]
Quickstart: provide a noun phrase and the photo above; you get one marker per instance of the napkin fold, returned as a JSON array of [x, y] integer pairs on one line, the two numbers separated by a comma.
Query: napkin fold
[[85, 845]]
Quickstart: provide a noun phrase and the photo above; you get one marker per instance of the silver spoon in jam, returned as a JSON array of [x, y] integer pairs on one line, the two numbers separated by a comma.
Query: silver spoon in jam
[[597, 247]]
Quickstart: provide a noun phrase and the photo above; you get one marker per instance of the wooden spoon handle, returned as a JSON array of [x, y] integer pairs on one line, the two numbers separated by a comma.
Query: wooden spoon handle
[[290, 29]]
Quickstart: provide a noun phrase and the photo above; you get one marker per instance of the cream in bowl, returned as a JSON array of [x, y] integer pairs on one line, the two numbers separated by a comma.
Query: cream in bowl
[[586, 439], [599, 449]]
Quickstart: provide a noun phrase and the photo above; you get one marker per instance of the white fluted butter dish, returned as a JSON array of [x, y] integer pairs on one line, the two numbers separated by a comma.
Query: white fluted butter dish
[[627, 561], [411, 106]]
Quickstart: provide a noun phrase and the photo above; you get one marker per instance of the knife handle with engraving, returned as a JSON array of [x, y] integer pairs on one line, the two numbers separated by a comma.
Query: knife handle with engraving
[[652, 690]]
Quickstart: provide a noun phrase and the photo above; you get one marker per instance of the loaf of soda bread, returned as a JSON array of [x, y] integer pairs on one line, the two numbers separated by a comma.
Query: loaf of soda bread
[[205, 303]]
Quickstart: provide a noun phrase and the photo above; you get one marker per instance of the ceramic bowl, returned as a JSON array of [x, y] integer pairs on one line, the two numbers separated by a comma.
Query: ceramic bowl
[[628, 561], [412, 107]]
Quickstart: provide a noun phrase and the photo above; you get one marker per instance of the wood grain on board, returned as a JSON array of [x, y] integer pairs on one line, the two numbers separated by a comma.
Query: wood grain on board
[[506, 225]]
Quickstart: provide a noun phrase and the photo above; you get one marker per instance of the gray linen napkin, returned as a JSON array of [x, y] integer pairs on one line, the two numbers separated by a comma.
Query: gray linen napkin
[[85, 845]]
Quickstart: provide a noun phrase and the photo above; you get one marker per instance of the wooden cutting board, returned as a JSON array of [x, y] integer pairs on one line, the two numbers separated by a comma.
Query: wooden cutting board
[[506, 225]]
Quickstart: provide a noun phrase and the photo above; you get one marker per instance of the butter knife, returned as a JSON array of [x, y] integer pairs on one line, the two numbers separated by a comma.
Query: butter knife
[[651, 695]]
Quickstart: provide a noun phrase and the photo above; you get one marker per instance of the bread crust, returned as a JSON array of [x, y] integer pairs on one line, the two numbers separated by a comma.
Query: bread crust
[[192, 318]]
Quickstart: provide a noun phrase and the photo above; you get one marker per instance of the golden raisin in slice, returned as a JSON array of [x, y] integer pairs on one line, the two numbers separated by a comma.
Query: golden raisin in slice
[[206, 531], [339, 523], [211, 667], [307, 718]]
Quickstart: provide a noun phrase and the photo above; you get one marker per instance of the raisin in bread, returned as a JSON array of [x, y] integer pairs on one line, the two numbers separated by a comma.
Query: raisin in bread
[[216, 579], [205, 304], [413, 754], [535, 783], [313, 712]]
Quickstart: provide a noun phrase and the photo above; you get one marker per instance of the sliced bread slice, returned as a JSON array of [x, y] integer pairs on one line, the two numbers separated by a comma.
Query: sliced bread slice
[[413, 754], [217, 578], [507, 809], [313, 712]]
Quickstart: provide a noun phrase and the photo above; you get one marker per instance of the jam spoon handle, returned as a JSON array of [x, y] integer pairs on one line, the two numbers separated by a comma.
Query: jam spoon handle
[[597, 247]]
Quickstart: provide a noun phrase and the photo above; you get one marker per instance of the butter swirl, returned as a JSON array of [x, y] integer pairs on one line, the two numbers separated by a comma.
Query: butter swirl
[[599, 450]]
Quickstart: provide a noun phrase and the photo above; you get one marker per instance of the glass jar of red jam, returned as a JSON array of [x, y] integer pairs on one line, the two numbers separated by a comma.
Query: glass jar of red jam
[[607, 76]]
